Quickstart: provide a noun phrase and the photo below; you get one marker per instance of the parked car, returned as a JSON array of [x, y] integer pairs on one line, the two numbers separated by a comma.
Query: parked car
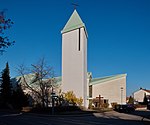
[[124, 108]]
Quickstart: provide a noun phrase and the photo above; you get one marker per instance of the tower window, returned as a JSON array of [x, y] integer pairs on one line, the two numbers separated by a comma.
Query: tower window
[[79, 41], [90, 91]]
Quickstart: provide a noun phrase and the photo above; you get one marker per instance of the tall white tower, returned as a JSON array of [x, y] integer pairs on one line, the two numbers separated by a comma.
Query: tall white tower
[[74, 58]]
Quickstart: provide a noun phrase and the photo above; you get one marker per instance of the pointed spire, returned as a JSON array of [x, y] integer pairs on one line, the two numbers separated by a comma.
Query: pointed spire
[[73, 23]]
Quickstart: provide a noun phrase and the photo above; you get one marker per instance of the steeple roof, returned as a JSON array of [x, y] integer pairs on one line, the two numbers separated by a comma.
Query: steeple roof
[[73, 23]]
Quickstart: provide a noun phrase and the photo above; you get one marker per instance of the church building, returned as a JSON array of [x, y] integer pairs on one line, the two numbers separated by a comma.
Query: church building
[[110, 89], [74, 68], [74, 57]]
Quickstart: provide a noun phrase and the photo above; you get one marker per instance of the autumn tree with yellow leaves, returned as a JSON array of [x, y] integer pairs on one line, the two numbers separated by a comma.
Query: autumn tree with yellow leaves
[[72, 99]]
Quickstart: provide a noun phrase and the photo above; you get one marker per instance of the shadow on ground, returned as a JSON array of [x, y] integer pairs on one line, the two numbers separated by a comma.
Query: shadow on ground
[[73, 118], [145, 114]]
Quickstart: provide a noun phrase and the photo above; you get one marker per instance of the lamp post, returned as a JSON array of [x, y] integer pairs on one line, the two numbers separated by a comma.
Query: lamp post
[[121, 95]]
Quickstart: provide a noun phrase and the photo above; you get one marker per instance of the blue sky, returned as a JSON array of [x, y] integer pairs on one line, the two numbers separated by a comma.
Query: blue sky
[[119, 36]]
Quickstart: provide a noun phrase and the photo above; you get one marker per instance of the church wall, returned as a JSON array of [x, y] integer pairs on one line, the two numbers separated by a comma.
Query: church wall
[[84, 55], [111, 90], [74, 65]]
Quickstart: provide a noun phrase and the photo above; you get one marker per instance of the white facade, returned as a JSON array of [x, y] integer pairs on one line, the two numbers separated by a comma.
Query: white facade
[[111, 88], [74, 58], [139, 95], [74, 67]]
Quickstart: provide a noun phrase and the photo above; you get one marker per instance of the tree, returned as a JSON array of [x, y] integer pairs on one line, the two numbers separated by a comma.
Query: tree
[[6, 87], [19, 98], [79, 101], [71, 98], [145, 102], [42, 82], [131, 100], [4, 24]]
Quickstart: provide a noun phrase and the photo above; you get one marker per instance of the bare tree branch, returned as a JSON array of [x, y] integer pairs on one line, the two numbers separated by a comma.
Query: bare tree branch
[[41, 82], [21, 70]]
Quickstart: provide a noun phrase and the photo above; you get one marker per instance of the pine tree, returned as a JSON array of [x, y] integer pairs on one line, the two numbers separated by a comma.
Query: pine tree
[[131, 100], [145, 102], [19, 98], [6, 87]]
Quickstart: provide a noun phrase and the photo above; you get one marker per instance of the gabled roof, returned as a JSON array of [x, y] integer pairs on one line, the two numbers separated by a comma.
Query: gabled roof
[[146, 90], [141, 89], [29, 79], [105, 79], [73, 23]]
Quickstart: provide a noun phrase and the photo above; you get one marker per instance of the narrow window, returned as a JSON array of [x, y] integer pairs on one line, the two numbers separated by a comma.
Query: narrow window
[[90, 91], [79, 41]]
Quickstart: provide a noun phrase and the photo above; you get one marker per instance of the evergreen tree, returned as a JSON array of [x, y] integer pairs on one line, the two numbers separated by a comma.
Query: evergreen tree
[[131, 100], [6, 87], [19, 98], [145, 102]]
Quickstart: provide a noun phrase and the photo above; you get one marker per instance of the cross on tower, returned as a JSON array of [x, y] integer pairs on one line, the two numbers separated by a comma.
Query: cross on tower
[[74, 5]]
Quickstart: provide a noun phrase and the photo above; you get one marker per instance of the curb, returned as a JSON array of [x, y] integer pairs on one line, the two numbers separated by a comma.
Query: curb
[[61, 115]]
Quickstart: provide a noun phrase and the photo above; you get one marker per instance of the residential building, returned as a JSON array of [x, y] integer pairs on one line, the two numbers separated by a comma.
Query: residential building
[[139, 94]]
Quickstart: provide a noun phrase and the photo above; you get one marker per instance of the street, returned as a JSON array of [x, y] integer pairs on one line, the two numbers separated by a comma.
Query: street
[[106, 118]]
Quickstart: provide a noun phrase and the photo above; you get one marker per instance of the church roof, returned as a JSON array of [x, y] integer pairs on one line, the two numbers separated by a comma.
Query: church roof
[[105, 79], [73, 23], [29, 78]]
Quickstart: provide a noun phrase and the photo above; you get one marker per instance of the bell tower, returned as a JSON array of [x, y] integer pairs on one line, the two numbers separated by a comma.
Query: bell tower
[[74, 58]]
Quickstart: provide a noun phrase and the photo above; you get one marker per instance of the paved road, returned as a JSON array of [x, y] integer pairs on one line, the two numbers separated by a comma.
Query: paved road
[[108, 118]]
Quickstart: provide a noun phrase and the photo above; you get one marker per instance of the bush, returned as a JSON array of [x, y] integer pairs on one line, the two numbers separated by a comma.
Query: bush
[[79, 101], [90, 104], [113, 104], [72, 99], [105, 105]]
